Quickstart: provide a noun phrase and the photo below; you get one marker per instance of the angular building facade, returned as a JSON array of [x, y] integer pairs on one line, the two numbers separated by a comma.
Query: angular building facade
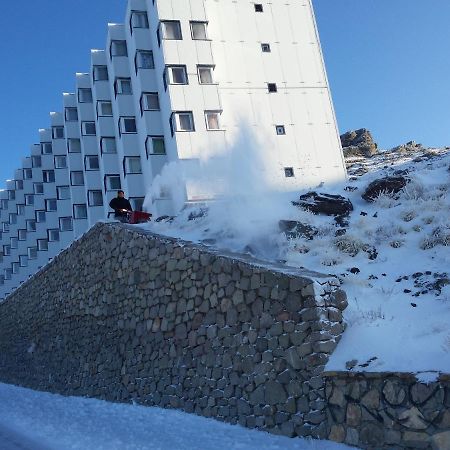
[[179, 82]]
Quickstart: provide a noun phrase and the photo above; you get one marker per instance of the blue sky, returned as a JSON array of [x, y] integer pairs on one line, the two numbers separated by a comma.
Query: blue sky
[[388, 64]]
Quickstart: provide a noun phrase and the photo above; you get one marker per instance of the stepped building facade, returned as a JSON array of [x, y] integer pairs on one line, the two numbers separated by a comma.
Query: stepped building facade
[[179, 81]]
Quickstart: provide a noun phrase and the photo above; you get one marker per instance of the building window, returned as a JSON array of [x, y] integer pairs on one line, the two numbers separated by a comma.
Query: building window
[[171, 29], [42, 245], [60, 162], [259, 7], [137, 203], [112, 182], [71, 114], [29, 199], [6, 250], [19, 185], [104, 108], [51, 204], [40, 216], [132, 164], [22, 235], [63, 192], [11, 195], [77, 178], [118, 48], [288, 172], [12, 218], [144, 60], [74, 145], [32, 252], [58, 132], [205, 74], [46, 148], [95, 198], [48, 176], [65, 224], [80, 211], [14, 243], [38, 188], [212, 119], [23, 260], [177, 74], [84, 95], [138, 19], [272, 87], [36, 161], [20, 210], [149, 101], [123, 86], [198, 31], [183, 121], [108, 145], [100, 73], [27, 174], [155, 145], [31, 225], [280, 130], [15, 267], [88, 128], [4, 203], [53, 235], [91, 163], [8, 274], [127, 125], [265, 48]]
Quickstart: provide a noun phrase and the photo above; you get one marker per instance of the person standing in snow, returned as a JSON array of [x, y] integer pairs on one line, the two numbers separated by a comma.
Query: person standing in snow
[[121, 206]]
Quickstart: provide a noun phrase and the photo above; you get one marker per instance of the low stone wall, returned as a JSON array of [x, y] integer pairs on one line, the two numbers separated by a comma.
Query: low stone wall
[[126, 315], [388, 410]]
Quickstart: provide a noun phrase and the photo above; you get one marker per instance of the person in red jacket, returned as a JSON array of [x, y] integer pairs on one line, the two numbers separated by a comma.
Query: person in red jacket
[[121, 206]]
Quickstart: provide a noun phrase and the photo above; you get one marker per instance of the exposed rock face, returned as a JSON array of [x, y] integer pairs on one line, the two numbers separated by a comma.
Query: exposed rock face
[[409, 147], [391, 185], [358, 143], [293, 229]]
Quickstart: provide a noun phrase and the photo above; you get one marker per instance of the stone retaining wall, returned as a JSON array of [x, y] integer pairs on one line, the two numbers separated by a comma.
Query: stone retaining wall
[[388, 410], [126, 315]]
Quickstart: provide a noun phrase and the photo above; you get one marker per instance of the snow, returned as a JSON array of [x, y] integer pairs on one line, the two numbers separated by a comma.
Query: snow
[[31, 420], [399, 302]]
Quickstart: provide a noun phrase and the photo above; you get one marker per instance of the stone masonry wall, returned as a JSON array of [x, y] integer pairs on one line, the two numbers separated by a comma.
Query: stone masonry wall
[[126, 315], [388, 410]]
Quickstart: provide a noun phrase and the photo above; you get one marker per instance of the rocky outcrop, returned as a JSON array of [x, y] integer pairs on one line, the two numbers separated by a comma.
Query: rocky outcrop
[[386, 185], [358, 143]]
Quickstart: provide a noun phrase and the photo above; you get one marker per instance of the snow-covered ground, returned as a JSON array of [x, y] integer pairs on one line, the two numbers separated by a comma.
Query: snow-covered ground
[[398, 246], [31, 420]]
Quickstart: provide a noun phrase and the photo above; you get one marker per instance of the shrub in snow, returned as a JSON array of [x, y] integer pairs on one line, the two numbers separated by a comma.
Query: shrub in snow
[[349, 244], [439, 236]]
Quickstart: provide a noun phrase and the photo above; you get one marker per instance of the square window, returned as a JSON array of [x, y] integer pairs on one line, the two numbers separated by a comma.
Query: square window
[[205, 74], [80, 211], [60, 162], [38, 188], [53, 235], [20, 210], [139, 19], [88, 128], [40, 216], [51, 204], [63, 192], [108, 145], [177, 74], [155, 145], [265, 48], [272, 87], [71, 114], [27, 174], [212, 120], [150, 101], [31, 225], [118, 48], [101, 73], [184, 121], [15, 267], [123, 86], [7, 250], [112, 182], [259, 7], [65, 224], [12, 218], [36, 161], [19, 183], [11, 195], [46, 148], [92, 163], [144, 60], [288, 172], [22, 235], [32, 252], [280, 130], [132, 165], [29, 199], [171, 29], [77, 178], [128, 125], [198, 30], [137, 203], [74, 145], [23, 260], [14, 243], [95, 198], [84, 95], [48, 176], [58, 132], [104, 109], [42, 245]]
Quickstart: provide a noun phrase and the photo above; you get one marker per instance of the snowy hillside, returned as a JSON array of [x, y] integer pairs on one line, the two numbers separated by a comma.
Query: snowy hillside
[[392, 257]]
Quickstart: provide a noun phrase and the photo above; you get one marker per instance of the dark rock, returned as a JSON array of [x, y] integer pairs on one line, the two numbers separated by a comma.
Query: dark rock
[[384, 185], [164, 219], [354, 270], [198, 213], [293, 229], [358, 143]]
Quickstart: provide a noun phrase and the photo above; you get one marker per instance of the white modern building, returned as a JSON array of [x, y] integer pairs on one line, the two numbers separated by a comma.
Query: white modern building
[[180, 81]]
